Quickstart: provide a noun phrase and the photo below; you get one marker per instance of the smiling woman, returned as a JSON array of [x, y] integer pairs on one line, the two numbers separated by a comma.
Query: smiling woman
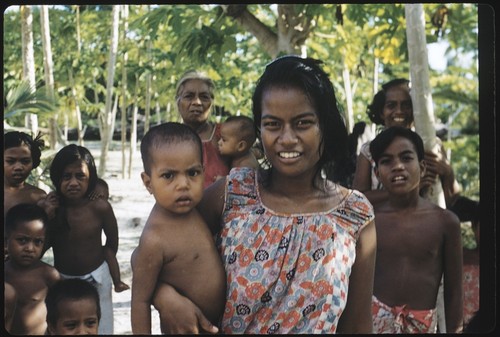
[[287, 235]]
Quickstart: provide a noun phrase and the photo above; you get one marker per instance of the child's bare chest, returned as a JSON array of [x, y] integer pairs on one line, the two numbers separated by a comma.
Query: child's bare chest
[[28, 196], [188, 245], [31, 287], [84, 228], [84, 220], [409, 236]]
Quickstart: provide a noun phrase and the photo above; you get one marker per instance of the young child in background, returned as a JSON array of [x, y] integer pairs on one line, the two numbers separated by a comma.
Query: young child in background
[[76, 235], [21, 155], [101, 190], [418, 242], [236, 141], [72, 308], [25, 227], [176, 247]]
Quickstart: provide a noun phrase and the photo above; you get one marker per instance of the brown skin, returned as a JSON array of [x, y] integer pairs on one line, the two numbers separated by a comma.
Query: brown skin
[[176, 247], [17, 165], [75, 317], [31, 285], [79, 251], [194, 103], [290, 191], [398, 111], [101, 191], [232, 145], [418, 241], [10, 301], [29, 276]]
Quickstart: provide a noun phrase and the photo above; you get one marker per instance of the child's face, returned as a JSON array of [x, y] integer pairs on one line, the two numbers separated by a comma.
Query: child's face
[[176, 179], [17, 164], [75, 180], [398, 110], [399, 169], [229, 140], [76, 317], [290, 131], [25, 242]]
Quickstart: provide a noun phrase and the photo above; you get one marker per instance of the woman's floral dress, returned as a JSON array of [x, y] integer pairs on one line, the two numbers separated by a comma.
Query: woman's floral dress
[[286, 273]]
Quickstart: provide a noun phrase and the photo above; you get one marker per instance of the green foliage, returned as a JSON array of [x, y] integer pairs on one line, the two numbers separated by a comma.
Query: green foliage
[[24, 99], [41, 175], [465, 162], [187, 36], [468, 238]]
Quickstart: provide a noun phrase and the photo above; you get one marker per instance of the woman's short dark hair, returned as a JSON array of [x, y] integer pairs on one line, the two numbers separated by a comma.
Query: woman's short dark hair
[[306, 75]]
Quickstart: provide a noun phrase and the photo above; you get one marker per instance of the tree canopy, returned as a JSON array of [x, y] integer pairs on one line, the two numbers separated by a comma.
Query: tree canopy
[[233, 43]]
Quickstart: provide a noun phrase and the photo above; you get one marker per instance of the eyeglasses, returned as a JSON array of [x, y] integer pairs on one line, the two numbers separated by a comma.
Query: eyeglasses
[[191, 96]]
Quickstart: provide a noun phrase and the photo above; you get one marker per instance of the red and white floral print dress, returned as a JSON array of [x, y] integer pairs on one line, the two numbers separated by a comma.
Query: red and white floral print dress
[[286, 273]]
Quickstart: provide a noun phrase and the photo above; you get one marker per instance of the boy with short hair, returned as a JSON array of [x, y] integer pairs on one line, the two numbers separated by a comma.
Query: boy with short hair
[[72, 308], [76, 235], [236, 141], [417, 243], [176, 246], [25, 229]]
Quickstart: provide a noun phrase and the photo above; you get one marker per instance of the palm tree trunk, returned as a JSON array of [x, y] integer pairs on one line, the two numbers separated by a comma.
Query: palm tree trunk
[[48, 70], [124, 91], [423, 111], [420, 88], [28, 57], [133, 127], [77, 107], [107, 134]]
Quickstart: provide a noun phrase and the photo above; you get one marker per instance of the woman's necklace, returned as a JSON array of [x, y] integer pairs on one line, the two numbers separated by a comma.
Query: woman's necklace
[[202, 128]]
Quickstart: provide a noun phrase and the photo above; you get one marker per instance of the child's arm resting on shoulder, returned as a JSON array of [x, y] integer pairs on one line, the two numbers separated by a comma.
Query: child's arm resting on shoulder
[[357, 316], [452, 269], [178, 315], [146, 261]]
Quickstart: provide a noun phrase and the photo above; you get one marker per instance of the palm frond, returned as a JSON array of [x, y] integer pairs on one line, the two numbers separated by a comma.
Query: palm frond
[[23, 99]]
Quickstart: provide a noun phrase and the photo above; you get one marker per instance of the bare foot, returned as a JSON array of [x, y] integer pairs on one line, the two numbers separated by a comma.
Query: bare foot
[[121, 287]]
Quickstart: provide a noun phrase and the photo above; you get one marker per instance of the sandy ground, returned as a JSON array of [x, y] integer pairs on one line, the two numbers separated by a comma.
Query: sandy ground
[[131, 203]]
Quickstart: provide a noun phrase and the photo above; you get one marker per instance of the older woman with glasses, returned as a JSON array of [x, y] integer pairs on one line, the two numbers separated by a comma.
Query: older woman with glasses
[[195, 98]]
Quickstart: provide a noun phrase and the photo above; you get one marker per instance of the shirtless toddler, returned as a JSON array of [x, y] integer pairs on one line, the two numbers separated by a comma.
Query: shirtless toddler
[[176, 246]]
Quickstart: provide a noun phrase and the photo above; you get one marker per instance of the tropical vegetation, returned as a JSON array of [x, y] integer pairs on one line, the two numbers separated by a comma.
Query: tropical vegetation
[[115, 68]]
